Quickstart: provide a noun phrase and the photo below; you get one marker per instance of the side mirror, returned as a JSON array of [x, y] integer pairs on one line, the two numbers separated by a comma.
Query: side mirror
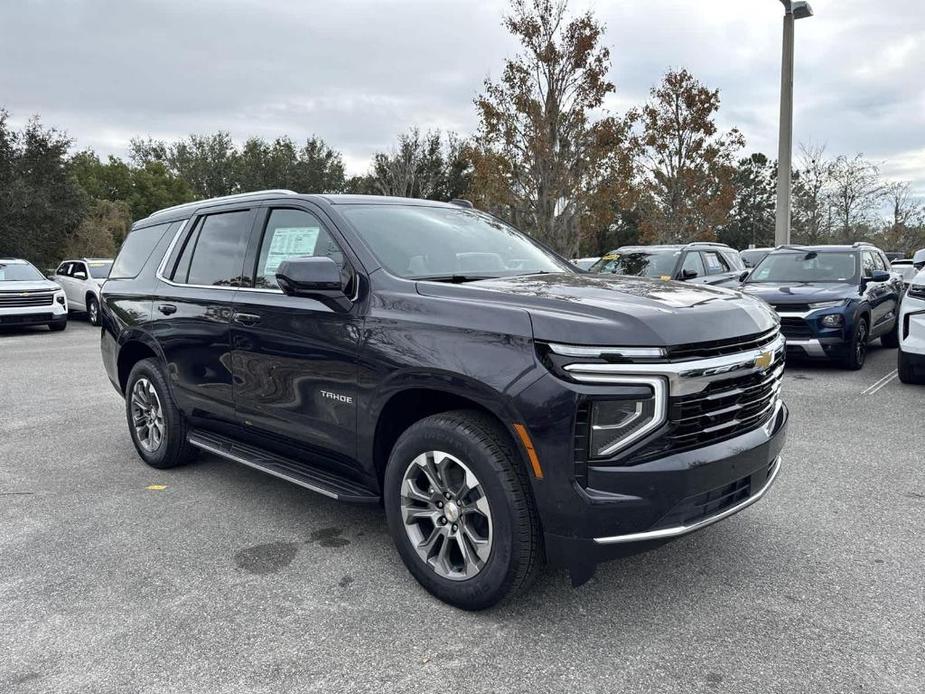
[[80, 275], [688, 274], [316, 278], [879, 276], [744, 275]]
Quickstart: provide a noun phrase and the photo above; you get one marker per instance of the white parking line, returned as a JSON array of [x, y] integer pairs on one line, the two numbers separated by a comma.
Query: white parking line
[[871, 389]]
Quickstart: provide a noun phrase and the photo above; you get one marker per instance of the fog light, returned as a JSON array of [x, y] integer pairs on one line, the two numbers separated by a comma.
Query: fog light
[[834, 320], [60, 299]]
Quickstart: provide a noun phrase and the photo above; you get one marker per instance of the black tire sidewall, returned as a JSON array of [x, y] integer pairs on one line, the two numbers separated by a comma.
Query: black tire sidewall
[[851, 359], [495, 579], [90, 303]]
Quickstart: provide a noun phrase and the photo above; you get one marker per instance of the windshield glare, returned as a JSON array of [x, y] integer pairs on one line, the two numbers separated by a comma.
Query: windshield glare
[[19, 272], [648, 264], [99, 271], [806, 267], [417, 242]]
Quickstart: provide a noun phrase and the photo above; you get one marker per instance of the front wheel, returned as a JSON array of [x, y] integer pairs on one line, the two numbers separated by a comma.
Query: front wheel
[[907, 372], [460, 511], [157, 427], [857, 347]]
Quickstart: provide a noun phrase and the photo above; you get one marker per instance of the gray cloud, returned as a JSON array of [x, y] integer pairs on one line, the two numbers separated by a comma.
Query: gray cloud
[[357, 72]]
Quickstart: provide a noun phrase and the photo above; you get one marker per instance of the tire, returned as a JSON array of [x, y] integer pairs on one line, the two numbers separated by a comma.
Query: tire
[[93, 311], [857, 348], [483, 448], [907, 372], [147, 386], [58, 327]]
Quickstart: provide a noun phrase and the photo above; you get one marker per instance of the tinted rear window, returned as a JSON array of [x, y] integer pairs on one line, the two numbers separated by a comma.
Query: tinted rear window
[[218, 258], [135, 251]]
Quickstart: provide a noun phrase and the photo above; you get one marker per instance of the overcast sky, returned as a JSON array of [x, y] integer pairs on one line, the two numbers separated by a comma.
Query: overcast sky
[[357, 72]]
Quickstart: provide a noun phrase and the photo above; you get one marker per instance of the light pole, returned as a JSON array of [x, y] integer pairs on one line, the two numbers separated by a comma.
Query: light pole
[[792, 12]]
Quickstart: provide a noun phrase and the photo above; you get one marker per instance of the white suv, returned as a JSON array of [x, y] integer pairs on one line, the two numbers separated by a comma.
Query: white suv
[[82, 280], [912, 332], [27, 297]]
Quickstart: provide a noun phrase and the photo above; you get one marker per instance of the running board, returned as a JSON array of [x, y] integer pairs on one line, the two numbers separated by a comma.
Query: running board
[[319, 481]]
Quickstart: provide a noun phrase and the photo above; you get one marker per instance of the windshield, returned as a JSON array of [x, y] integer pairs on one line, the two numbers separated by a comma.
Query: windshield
[[419, 242], [752, 257], [812, 266], [19, 272], [99, 269], [643, 264]]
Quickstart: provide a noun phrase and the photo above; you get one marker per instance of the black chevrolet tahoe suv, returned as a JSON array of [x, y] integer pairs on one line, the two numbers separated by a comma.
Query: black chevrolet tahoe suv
[[505, 408]]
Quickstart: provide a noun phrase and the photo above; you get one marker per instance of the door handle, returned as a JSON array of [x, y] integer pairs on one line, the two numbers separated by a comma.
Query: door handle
[[246, 318], [167, 309]]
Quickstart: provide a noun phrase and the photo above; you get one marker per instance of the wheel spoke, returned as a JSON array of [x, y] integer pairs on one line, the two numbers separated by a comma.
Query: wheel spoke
[[436, 486]]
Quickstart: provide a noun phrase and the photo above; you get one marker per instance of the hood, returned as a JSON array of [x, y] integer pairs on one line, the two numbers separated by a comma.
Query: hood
[[799, 293], [37, 285], [590, 309]]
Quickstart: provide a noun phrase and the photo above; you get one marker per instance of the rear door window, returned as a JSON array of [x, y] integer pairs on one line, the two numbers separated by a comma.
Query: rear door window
[[218, 257], [135, 251]]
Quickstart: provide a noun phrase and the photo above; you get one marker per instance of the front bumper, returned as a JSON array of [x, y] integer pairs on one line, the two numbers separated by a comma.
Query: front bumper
[[912, 327], [11, 318], [626, 510]]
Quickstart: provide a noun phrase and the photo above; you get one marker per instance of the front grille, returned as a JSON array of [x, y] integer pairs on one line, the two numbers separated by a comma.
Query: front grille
[[791, 308], [718, 348], [795, 328], [721, 411], [26, 299]]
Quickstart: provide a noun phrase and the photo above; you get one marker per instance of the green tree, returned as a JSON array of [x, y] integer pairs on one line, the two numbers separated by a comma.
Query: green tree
[[752, 221], [41, 203]]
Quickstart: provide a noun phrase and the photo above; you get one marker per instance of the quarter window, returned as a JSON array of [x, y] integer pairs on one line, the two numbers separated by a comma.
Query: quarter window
[[218, 256], [292, 234], [135, 251]]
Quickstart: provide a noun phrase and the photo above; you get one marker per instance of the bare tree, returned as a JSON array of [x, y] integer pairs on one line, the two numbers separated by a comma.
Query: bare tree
[[856, 193], [811, 203]]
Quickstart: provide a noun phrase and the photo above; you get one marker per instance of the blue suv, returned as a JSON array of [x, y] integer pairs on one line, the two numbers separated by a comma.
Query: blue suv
[[832, 300]]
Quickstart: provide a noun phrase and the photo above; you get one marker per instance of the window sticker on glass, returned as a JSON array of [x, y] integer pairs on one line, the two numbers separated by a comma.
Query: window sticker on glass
[[288, 242]]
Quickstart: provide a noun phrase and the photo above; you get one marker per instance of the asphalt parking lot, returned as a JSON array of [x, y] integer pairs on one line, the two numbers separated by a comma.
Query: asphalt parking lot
[[116, 577]]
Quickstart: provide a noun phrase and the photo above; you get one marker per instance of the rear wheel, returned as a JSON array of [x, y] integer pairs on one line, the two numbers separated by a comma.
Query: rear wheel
[[158, 428], [907, 372], [857, 348], [93, 311], [460, 511]]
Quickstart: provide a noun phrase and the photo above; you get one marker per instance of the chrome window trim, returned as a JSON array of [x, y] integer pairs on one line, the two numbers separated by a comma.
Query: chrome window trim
[[659, 393], [684, 378], [678, 530]]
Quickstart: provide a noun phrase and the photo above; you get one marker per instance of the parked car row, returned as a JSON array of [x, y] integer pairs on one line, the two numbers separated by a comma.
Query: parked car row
[[27, 297]]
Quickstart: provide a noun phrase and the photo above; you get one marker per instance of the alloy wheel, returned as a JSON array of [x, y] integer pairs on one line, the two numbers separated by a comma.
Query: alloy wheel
[[446, 515], [147, 415], [861, 346], [94, 313]]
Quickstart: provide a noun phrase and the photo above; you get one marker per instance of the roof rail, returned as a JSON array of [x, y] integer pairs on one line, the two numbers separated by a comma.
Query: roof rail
[[790, 247], [459, 202], [858, 244], [223, 198], [707, 243]]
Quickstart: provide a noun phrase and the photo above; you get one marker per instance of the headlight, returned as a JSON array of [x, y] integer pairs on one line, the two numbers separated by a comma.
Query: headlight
[[916, 291], [826, 304], [833, 320], [615, 424]]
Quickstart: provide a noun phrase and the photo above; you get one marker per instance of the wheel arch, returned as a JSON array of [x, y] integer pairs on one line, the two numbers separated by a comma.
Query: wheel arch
[[132, 350], [401, 407]]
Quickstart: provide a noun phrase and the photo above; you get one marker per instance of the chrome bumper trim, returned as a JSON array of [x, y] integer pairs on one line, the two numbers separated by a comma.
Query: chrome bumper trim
[[811, 346], [679, 530]]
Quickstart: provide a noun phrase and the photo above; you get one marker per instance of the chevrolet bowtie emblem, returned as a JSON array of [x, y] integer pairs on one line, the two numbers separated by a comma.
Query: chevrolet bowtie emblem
[[764, 360]]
